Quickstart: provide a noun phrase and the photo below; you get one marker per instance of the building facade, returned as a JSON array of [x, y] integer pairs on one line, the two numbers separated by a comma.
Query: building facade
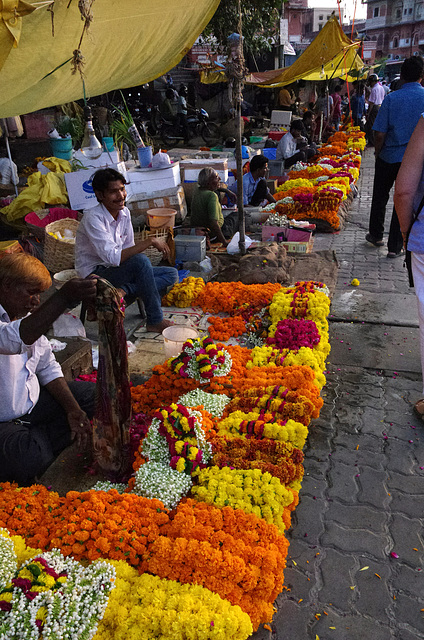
[[396, 29]]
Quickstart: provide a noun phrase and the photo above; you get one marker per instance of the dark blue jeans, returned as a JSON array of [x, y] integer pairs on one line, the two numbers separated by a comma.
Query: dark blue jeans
[[138, 278], [29, 446]]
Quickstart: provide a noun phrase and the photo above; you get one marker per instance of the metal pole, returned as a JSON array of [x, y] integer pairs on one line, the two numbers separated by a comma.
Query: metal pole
[[6, 136], [238, 83]]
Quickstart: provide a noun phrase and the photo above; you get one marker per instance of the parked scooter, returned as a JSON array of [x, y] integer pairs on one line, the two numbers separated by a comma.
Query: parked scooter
[[197, 125]]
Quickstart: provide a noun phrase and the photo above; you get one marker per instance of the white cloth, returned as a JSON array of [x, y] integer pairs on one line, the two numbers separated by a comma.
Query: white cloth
[[417, 262], [100, 239], [287, 147], [23, 368], [377, 94], [8, 171]]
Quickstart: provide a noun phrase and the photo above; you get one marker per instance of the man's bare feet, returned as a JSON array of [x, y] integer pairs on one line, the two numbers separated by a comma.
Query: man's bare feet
[[158, 328]]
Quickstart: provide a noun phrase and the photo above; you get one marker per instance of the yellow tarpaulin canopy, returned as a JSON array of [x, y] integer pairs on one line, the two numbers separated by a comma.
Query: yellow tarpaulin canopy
[[129, 42], [328, 55]]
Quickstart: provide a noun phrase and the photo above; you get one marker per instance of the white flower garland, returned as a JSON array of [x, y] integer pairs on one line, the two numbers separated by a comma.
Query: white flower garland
[[214, 403], [106, 485], [8, 560], [71, 612], [158, 480]]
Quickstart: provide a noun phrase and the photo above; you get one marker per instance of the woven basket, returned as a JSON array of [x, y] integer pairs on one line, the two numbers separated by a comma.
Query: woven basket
[[59, 254], [38, 232], [153, 254]]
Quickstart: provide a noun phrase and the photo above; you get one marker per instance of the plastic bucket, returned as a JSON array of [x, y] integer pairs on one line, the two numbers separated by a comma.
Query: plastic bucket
[[174, 338], [145, 156], [61, 148], [108, 143], [161, 218]]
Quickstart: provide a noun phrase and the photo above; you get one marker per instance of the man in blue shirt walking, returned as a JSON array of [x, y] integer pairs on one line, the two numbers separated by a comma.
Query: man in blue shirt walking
[[393, 126]]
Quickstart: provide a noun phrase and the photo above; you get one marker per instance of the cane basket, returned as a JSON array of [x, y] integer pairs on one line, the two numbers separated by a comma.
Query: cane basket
[[59, 254], [152, 253]]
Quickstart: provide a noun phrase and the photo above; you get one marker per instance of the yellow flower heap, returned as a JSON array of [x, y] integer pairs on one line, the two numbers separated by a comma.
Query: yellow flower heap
[[184, 294]]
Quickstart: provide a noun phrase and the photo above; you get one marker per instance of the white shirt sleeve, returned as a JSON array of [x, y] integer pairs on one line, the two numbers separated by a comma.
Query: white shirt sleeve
[[10, 340], [48, 368]]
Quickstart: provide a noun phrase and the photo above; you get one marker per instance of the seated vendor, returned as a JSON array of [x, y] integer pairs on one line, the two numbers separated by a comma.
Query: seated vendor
[[255, 188], [40, 413], [206, 209], [287, 149], [105, 246]]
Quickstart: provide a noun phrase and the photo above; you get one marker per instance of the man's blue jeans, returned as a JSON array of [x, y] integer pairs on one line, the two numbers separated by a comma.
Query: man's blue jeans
[[138, 278]]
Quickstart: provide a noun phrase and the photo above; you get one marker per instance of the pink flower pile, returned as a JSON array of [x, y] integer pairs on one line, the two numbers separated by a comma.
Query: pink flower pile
[[293, 334]]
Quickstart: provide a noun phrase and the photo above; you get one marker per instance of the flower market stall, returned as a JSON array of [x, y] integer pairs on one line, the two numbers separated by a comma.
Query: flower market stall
[[317, 192], [194, 544]]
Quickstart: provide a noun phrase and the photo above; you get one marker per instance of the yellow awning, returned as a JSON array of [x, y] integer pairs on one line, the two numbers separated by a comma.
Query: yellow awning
[[130, 42], [328, 55]]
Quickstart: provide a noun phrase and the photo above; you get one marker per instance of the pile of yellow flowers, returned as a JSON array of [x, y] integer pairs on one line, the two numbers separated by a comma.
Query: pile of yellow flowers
[[250, 490], [239, 424], [144, 607], [267, 355], [292, 184], [184, 293]]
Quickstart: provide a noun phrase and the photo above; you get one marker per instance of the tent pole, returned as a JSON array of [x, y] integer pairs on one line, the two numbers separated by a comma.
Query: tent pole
[[6, 137]]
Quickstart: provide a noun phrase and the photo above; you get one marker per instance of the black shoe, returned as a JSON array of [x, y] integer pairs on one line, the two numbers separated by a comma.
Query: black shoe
[[377, 243], [392, 254]]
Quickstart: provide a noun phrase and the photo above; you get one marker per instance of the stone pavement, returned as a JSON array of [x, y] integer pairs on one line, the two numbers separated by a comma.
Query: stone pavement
[[363, 491]]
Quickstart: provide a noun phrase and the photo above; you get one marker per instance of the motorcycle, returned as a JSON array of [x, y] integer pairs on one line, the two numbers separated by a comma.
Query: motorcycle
[[197, 124]]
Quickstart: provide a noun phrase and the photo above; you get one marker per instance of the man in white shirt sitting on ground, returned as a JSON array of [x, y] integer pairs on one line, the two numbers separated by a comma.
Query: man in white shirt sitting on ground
[[105, 246], [287, 147], [40, 414]]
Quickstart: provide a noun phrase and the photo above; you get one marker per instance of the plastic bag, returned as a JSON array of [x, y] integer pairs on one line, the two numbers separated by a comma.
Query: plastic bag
[[161, 160], [68, 325], [233, 246]]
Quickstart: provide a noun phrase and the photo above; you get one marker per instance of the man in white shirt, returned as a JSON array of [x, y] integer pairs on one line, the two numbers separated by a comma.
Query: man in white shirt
[[287, 147], [376, 97], [105, 246], [40, 414]]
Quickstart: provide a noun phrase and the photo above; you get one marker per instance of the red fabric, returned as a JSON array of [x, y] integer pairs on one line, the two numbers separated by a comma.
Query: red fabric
[[276, 135], [58, 213]]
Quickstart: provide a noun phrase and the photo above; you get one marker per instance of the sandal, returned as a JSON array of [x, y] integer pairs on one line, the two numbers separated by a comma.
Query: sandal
[[419, 409]]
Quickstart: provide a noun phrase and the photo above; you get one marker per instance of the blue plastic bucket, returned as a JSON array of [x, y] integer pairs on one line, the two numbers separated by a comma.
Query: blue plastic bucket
[[145, 156], [61, 148], [108, 143]]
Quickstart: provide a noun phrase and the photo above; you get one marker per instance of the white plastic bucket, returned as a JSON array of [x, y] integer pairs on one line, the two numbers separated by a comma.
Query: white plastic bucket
[[174, 338], [61, 277]]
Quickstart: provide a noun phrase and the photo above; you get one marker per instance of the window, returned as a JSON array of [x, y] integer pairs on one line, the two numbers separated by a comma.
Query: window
[[328, 17], [406, 40], [319, 27], [398, 13], [405, 11], [410, 10], [320, 17], [376, 12], [395, 43]]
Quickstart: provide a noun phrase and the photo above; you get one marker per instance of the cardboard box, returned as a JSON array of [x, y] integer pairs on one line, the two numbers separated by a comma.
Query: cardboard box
[[169, 198], [148, 181], [80, 190], [190, 169]]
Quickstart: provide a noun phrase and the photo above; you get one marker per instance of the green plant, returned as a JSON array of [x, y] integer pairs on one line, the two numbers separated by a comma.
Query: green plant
[[72, 125], [119, 128]]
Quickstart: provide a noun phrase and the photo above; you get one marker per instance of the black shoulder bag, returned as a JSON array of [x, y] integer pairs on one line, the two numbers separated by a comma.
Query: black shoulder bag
[[407, 262]]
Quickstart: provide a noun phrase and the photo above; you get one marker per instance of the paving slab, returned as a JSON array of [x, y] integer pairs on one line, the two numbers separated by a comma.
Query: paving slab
[[375, 346], [389, 308]]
